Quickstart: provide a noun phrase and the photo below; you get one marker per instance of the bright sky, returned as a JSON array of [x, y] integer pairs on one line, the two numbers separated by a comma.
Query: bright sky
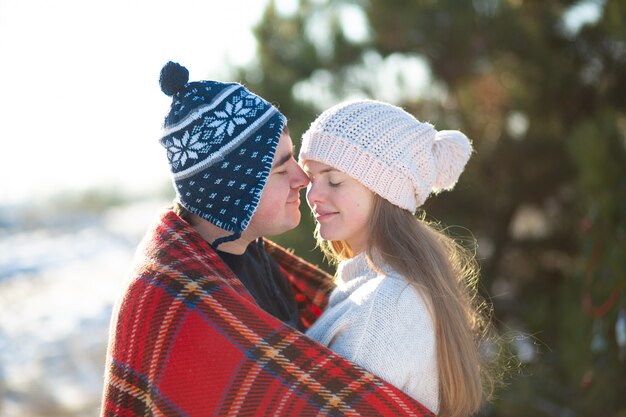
[[80, 101]]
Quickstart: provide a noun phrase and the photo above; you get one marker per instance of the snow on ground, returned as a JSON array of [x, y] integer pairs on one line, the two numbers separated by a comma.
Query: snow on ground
[[58, 283]]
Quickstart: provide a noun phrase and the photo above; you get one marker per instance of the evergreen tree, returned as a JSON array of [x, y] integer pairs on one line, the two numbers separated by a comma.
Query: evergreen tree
[[544, 100]]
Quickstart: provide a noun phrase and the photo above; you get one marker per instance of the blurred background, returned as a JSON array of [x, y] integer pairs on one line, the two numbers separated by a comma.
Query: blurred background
[[540, 87]]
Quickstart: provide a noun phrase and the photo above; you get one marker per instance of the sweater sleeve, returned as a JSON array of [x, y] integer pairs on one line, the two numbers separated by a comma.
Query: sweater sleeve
[[386, 328]]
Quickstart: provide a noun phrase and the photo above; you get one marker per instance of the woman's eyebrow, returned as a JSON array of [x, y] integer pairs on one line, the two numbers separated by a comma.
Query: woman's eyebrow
[[324, 171]]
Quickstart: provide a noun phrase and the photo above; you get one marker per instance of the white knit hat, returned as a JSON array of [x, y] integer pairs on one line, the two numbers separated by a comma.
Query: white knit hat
[[388, 150]]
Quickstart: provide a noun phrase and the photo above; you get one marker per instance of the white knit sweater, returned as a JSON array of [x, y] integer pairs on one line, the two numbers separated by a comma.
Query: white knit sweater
[[382, 323]]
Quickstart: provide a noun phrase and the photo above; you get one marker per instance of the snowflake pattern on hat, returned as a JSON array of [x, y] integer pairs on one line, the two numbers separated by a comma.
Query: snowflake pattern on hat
[[179, 150], [213, 128]]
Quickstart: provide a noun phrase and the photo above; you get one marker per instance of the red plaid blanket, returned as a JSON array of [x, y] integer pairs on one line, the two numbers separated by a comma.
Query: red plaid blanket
[[187, 339]]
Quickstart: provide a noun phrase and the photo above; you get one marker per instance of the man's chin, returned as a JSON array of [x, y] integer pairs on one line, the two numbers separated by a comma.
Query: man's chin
[[287, 226]]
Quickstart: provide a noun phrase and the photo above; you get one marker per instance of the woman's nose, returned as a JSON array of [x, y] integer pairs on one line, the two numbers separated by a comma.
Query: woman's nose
[[313, 194]]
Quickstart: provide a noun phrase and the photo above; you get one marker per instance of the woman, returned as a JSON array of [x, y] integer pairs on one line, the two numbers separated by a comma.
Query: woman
[[405, 306]]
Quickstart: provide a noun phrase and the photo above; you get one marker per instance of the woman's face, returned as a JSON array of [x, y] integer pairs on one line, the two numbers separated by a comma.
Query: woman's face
[[341, 205]]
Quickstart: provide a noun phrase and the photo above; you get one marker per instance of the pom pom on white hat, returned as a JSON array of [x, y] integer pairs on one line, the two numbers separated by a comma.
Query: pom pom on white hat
[[452, 150], [388, 150]]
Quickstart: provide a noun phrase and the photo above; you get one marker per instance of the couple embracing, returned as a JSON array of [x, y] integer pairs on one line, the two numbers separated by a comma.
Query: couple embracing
[[218, 320]]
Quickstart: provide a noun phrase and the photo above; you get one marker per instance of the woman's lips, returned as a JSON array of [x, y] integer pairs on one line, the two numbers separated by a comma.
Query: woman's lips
[[321, 216]]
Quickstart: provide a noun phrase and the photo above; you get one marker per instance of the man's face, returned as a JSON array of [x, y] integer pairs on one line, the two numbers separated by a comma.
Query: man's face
[[279, 207]]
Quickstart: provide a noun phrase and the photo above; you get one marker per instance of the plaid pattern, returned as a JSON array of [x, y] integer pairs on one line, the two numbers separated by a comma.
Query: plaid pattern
[[188, 340], [310, 285]]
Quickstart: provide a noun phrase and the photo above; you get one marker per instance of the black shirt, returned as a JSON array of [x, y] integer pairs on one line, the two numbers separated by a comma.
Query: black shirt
[[264, 280]]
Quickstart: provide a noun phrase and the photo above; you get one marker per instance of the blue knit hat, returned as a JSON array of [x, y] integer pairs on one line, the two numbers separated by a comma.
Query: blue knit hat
[[220, 140]]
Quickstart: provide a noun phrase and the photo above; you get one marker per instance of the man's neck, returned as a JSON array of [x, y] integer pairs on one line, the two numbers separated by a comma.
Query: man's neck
[[210, 233]]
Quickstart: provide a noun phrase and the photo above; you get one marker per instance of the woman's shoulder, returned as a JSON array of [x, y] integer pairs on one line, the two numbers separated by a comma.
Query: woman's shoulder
[[388, 283], [391, 296]]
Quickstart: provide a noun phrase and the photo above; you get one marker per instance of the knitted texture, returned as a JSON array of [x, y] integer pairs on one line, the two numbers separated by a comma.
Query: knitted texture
[[220, 140], [386, 149], [187, 339], [381, 323]]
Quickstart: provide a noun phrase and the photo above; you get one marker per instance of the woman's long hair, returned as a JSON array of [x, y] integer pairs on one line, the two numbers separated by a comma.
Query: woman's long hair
[[446, 274]]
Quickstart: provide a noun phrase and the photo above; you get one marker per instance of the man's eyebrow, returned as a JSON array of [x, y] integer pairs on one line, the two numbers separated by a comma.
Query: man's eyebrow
[[283, 159]]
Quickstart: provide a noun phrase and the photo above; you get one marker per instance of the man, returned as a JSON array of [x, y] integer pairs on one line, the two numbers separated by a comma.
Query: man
[[209, 323]]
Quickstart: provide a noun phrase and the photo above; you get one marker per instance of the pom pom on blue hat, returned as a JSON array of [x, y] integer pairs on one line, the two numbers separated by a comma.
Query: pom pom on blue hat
[[173, 78]]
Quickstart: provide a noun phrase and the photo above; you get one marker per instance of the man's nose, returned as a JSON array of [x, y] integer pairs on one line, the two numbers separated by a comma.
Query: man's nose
[[301, 180]]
